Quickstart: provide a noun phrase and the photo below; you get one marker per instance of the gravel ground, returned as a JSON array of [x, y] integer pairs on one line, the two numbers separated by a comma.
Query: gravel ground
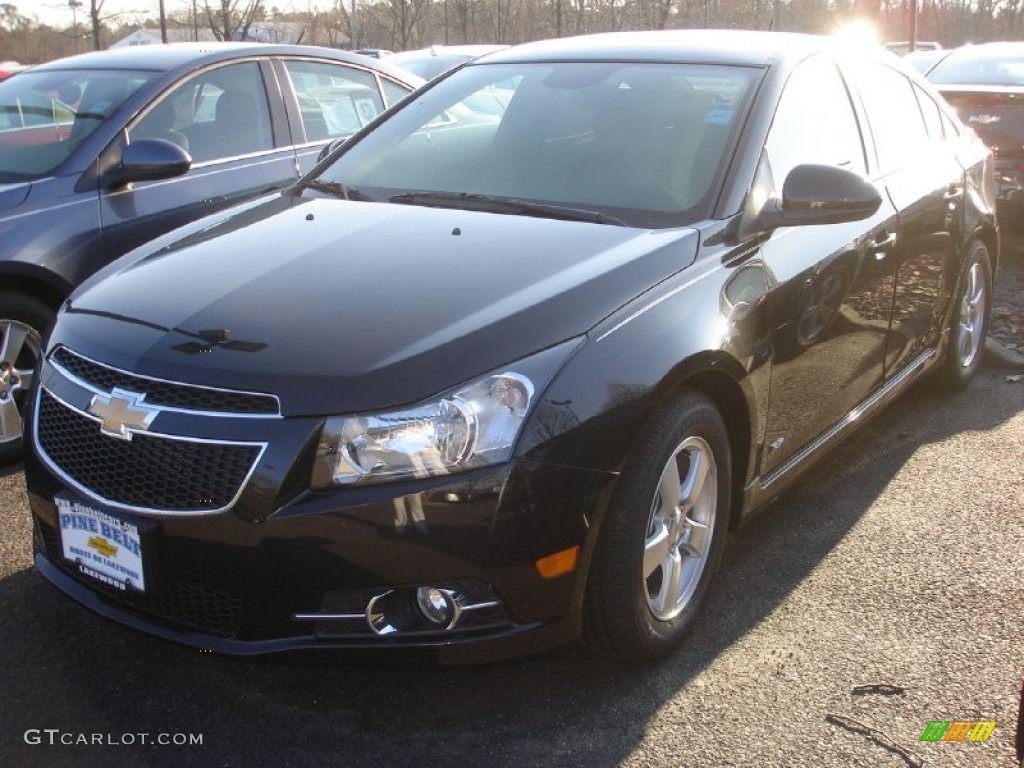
[[1007, 317], [898, 562]]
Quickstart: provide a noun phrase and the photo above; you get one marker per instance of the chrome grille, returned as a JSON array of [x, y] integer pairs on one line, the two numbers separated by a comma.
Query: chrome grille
[[148, 472], [168, 394]]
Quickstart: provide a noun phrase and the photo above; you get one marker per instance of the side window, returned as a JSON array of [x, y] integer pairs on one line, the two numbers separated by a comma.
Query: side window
[[897, 124], [952, 129], [814, 123], [932, 115], [218, 114], [393, 92], [334, 100]]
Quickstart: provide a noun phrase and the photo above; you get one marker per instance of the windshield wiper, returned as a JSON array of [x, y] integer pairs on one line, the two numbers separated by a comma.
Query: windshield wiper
[[337, 189], [473, 202]]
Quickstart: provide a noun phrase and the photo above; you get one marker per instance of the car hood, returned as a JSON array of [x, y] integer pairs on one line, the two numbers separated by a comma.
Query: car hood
[[342, 306], [13, 195]]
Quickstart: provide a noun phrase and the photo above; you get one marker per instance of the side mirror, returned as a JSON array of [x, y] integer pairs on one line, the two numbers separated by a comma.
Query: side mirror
[[150, 160], [820, 194]]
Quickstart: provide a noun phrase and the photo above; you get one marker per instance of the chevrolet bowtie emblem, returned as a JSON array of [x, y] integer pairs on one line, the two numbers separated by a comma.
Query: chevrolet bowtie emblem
[[102, 546], [121, 413]]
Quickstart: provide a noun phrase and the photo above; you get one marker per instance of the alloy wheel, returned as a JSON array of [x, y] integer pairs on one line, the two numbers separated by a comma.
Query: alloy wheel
[[680, 528], [19, 351]]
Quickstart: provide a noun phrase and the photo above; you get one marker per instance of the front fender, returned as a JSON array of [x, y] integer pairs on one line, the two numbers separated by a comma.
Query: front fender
[[687, 333]]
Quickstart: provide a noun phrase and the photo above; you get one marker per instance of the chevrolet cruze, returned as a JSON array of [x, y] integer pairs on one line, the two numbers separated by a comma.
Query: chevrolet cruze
[[483, 382]]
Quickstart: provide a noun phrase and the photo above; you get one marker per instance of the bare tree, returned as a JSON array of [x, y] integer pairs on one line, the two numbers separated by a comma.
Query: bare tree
[[95, 7], [232, 18], [405, 15]]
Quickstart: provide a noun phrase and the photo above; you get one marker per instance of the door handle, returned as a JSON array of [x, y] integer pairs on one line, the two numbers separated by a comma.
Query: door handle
[[882, 243], [953, 194]]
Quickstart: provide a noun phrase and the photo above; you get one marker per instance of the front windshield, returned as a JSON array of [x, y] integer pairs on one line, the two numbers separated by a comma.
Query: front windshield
[[641, 142], [44, 116]]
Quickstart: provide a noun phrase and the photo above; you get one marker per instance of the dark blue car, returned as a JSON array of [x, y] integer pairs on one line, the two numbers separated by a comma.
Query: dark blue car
[[100, 153]]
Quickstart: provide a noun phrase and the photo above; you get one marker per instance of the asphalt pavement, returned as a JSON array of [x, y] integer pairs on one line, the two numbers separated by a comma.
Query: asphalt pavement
[[882, 593]]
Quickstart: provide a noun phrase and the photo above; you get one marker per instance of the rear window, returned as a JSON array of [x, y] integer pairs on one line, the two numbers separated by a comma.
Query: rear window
[[998, 118], [979, 67], [44, 116]]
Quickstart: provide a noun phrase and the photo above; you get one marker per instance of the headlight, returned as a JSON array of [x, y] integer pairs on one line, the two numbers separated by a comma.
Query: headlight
[[471, 426]]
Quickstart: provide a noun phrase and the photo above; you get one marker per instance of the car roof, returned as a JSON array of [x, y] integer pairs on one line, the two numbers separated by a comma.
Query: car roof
[[988, 49], [700, 46], [174, 55]]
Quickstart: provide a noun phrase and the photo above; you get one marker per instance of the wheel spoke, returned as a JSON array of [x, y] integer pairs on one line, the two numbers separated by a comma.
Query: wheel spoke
[[966, 336], [976, 290], [695, 478], [14, 335], [671, 584], [668, 490], [10, 420], [697, 542], [656, 550], [25, 378]]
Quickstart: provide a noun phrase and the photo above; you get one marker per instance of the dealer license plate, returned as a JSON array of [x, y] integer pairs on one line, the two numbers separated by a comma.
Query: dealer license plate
[[102, 546]]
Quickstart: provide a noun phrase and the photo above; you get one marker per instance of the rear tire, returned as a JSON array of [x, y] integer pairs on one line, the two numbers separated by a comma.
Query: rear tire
[[969, 324], [24, 321], [663, 534]]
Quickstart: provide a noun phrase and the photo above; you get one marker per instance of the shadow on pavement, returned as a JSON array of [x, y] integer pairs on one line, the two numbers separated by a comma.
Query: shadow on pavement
[[73, 671]]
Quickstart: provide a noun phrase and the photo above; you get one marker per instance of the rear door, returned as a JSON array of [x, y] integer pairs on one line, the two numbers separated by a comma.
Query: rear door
[[230, 119], [926, 184]]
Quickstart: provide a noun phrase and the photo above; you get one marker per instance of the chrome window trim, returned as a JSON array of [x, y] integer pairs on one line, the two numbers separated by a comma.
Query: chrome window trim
[[145, 511], [246, 156], [164, 408]]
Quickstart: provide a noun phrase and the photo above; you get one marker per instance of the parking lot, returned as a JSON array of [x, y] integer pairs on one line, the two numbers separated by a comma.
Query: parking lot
[[884, 592]]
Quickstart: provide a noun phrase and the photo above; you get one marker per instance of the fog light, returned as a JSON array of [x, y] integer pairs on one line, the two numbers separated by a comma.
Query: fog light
[[437, 606]]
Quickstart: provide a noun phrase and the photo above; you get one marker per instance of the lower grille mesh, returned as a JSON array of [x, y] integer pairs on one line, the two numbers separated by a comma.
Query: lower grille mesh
[[212, 610], [146, 472]]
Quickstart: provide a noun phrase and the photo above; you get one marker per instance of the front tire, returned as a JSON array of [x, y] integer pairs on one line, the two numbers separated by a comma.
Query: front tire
[[664, 533], [23, 322], [967, 330]]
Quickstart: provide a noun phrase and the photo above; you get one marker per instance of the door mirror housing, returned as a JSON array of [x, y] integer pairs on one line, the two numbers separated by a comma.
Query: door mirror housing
[[151, 160], [820, 194]]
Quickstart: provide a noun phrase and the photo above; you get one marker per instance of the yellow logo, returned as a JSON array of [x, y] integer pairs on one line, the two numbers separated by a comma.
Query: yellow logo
[[102, 546]]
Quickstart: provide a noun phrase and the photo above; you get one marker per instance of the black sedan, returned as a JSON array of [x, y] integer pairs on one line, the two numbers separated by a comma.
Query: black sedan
[[480, 384], [102, 152], [985, 84]]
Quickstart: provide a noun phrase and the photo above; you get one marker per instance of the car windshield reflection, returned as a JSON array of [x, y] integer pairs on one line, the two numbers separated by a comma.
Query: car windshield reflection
[[642, 143], [45, 115]]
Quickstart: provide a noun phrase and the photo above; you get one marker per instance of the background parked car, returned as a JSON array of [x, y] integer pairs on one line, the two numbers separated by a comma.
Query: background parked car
[[430, 62], [902, 47], [8, 68], [374, 53], [985, 84], [924, 60], [102, 152]]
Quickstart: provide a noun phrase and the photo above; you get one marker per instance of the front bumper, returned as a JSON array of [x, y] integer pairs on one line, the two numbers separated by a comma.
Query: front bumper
[[237, 586], [241, 557]]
